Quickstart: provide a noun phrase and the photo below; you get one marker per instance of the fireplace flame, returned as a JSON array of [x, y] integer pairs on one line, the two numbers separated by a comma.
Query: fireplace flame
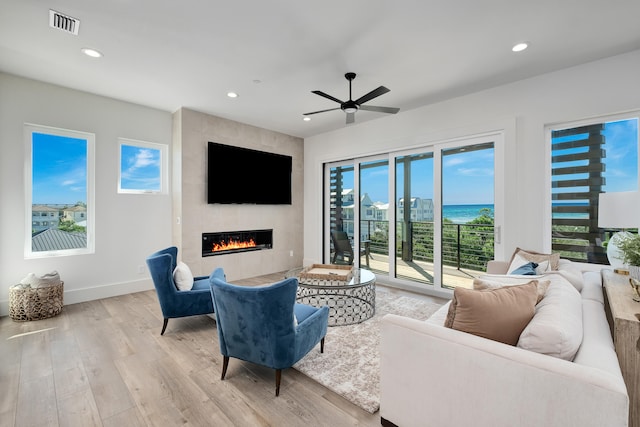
[[233, 244]]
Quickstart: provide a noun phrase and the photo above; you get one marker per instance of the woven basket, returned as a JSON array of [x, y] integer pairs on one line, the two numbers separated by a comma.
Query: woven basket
[[35, 303]]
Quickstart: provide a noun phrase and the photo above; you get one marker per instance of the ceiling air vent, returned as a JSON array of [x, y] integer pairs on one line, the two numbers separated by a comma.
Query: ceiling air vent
[[63, 22]]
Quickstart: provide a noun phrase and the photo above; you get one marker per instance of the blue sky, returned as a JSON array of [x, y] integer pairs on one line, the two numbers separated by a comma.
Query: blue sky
[[139, 168], [59, 169], [467, 179], [622, 156]]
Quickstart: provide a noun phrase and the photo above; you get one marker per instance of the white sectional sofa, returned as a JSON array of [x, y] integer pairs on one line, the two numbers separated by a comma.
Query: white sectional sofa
[[432, 375]]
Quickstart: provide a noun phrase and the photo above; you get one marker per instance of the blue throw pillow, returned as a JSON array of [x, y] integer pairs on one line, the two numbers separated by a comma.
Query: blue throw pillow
[[529, 269]]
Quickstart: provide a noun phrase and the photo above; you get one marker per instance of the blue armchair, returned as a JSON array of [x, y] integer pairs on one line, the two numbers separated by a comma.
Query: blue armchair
[[175, 303], [264, 324]]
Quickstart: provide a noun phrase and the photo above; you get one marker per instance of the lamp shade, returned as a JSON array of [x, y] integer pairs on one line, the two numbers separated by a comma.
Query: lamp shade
[[619, 210]]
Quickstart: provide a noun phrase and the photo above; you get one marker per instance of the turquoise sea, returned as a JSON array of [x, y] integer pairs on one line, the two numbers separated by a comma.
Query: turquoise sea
[[461, 214]]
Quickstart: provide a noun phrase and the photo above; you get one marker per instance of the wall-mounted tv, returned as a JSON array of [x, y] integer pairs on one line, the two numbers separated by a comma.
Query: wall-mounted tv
[[243, 175]]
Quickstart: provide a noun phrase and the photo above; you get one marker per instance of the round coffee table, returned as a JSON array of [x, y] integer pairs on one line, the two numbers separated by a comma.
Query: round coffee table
[[349, 302]]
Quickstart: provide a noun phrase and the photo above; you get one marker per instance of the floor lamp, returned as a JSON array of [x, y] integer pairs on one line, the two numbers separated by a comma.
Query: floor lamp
[[618, 211]]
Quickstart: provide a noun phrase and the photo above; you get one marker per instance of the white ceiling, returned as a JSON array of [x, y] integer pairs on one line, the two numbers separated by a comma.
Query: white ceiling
[[190, 53]]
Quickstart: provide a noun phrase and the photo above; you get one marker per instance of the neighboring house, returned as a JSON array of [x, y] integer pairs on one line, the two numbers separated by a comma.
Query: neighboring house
[[421, 209], [44, 217], [382, 211], [75, 213]]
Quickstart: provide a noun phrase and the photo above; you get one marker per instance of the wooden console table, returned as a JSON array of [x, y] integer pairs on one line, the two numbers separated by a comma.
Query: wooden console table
[[623, 314]]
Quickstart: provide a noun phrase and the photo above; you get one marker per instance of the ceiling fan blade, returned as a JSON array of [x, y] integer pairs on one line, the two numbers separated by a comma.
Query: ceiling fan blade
[[321, 93], [389, 110], [373, 94], [351, 117], [321, 111]]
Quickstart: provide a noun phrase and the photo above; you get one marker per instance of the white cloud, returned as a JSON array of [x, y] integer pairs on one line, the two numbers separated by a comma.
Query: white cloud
[[453, 161], [475, 171], [144, 158]]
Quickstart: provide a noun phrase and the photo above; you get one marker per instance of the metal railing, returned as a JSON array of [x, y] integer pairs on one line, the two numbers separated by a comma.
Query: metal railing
[[464, 246]]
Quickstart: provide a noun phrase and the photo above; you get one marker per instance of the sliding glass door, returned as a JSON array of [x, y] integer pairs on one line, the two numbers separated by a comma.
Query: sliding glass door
[[414, 248], [427, 221], [467, 213], [341, 214]]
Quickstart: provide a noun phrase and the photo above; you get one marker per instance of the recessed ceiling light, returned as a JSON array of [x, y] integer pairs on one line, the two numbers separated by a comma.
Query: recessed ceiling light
[[232, 94], [91, 52], [307, 119], [520, 47]]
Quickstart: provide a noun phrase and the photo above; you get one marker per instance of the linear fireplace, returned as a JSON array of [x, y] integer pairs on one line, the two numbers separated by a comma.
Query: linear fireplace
[[236, 241]]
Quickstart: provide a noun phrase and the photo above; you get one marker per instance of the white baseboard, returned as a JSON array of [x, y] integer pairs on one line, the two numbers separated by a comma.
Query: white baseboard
[[74, 296]]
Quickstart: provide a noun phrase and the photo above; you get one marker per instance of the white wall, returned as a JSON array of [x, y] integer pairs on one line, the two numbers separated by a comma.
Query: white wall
[[522, 109], [128, 227]]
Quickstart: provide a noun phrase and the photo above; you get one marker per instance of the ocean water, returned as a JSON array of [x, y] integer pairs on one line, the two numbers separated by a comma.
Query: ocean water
[[461, 214]]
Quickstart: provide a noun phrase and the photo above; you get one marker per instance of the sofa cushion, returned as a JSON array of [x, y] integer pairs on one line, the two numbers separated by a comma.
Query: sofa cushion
[[592, 286], [440, 316], [497, 314], [556, 327], [597, 347], [539, 258], [481, 284]]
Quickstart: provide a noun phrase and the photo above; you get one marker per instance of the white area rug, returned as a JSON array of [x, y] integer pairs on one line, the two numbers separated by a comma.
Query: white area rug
[[350, 364]]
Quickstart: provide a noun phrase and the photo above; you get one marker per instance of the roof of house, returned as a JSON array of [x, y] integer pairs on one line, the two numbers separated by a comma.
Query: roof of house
[[43, 208], [53, 239], [75, 209]]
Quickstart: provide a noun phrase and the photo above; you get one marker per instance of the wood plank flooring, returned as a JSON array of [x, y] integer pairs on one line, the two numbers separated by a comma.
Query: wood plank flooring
[[104, 363]]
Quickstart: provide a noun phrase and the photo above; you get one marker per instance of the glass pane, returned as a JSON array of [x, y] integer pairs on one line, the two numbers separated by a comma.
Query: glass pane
[[414, 219], [467, 213], [374, 218], [586, 161], [140, 169], [59, 192], [341, 214]]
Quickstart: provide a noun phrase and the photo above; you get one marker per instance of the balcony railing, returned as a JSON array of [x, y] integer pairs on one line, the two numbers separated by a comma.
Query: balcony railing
[[464, 246]]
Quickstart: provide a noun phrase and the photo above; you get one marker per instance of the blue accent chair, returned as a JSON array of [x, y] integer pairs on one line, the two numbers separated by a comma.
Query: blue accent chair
[[173, 302], [264, 324]]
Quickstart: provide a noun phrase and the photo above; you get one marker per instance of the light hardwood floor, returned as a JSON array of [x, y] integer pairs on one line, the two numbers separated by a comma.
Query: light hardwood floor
[[104, 363]]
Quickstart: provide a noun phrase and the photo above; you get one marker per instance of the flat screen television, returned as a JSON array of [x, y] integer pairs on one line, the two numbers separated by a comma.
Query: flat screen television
[[243, 175]]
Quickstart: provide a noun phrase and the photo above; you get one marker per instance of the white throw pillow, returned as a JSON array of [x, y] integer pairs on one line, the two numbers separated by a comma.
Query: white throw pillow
[[556, 327], [183, 277]]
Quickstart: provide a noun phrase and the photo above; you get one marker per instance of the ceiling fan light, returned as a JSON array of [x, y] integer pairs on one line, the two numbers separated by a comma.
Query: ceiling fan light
[[350, 109]]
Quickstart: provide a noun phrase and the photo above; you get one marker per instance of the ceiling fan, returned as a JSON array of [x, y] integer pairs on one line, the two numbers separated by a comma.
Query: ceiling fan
[[350, 106]]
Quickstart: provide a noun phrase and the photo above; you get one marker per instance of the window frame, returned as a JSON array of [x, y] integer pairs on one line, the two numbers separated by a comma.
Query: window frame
[[29, 130], [548, 130], [164, 166]]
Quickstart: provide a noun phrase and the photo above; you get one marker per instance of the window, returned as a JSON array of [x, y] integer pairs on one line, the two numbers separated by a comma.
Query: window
[[589, 158], [142, 167], [58, 178], [426, 216]]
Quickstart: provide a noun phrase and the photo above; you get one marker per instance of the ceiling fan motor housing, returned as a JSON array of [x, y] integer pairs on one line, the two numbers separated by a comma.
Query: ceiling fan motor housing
[[350, 107]]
